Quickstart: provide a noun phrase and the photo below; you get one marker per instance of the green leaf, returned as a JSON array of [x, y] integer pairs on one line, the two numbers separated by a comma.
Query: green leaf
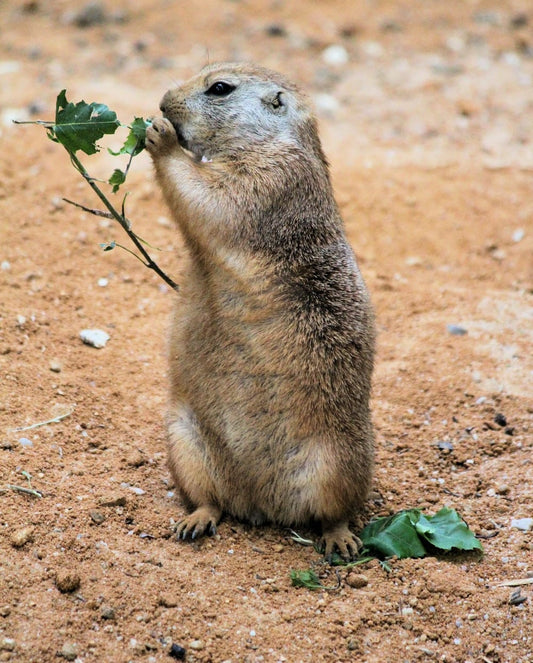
[[79, 126], [447, 530], [413, 534], [393, 535], [307, 578], [117, 178], [134, 143]]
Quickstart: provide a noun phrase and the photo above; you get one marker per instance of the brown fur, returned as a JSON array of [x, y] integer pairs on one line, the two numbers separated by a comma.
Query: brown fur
[[272, 338]]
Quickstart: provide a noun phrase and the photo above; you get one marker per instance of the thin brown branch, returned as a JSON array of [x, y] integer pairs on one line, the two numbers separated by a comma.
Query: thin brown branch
[[96, 212]]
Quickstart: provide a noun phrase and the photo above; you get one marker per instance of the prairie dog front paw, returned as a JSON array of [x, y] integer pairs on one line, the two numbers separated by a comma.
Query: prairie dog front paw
[[161, 137]]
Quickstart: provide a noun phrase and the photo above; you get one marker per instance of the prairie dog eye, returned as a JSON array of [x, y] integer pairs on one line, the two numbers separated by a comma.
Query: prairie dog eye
[[220, 89]]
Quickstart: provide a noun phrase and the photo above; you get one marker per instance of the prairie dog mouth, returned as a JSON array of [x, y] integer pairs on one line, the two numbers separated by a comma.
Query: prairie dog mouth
[[189, 147]]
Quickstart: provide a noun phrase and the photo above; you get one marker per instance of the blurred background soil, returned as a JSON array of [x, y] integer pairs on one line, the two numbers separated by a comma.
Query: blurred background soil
[[426, 114]]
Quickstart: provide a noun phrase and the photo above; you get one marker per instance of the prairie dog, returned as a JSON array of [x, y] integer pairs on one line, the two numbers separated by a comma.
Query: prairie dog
[[272, 340]]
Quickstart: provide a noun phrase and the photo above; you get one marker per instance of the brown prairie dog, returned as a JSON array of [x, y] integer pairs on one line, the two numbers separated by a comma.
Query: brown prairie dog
[[272, 340]]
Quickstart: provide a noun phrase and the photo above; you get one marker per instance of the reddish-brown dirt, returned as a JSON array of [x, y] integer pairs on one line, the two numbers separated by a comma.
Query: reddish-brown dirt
[[426, 114]]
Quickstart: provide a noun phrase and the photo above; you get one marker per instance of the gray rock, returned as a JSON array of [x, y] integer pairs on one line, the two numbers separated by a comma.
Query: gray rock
[[456, 330], [69, 651], [107, 612]]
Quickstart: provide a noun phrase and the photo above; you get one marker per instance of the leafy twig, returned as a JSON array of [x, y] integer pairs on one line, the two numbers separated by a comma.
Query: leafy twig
[[122, 221], [78, 127]]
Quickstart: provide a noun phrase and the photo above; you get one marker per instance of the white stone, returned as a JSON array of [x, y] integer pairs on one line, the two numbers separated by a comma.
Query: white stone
[[335, 54], [523, 524], [95, 337]]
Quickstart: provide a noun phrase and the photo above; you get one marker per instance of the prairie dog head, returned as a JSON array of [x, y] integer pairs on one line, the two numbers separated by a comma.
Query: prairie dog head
[[229, 109]]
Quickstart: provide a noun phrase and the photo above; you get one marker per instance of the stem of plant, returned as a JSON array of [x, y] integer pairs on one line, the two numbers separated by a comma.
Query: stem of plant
[[122, 221]]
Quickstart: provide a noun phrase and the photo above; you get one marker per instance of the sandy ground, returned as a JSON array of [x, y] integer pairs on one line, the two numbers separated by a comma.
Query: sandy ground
[[426, 114]]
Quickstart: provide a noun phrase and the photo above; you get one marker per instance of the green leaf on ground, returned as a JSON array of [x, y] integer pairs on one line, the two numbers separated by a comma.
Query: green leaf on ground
[[306, 578], [408, 533], [79, 126], [411, 533], [134, 143], [447, 530], [393, 536]]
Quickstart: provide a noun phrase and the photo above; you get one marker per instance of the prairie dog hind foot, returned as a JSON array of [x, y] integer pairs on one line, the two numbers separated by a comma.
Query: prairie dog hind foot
[[339, 536]]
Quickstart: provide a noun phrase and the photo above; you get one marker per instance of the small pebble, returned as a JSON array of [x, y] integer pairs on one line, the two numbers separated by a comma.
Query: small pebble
[[5, 265], [56, 366], [276, 30], [518, 235], [107, 612], [97, 338], [356, 580], [335, 55], [93, 13], [500, 419], [135, 458], [168, 600], [5, 611], [113, 499], [519, 20], [69, 651], [7, 644], [516, 597], [67, 581], [523, 524], [25, 442], [103, 282], [352, 644], [21, 537], [197, 645], [445, 445], [456, 330], [97, 517], [177, 651]]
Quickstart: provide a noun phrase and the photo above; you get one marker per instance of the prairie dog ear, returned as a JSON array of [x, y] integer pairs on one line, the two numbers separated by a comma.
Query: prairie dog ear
[[276, 101]]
